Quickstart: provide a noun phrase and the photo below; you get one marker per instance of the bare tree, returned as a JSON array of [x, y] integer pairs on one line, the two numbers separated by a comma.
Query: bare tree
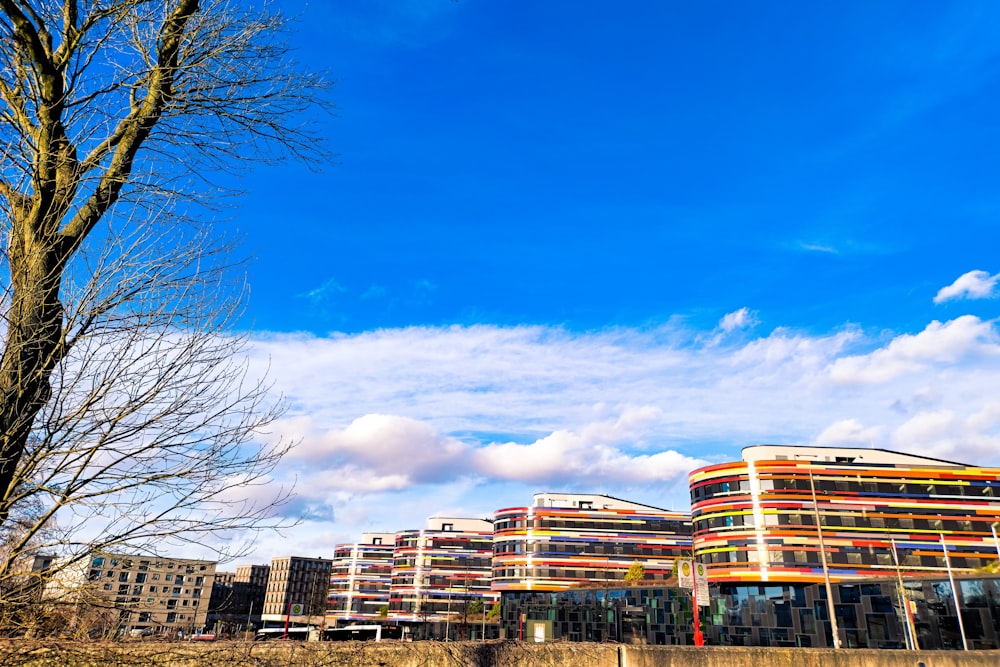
[[127, 416]]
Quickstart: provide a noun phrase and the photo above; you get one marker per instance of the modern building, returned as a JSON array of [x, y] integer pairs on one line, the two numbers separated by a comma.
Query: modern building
[[442, 571], [870, 614], [238, 599], [573, 540], [360, 579], [143, 593], [802, 514], [296, 591]]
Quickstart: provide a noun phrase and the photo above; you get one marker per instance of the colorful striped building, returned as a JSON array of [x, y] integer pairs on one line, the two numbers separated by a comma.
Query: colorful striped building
[[442, 569], [360, 579], [567, 540], [778, 514]]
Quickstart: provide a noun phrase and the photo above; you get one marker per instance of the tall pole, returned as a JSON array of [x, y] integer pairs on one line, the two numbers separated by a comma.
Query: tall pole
[[250, 616], [911, 629], [996, 542], [831, 609], [954, 592], [699, 638], [447, 622]]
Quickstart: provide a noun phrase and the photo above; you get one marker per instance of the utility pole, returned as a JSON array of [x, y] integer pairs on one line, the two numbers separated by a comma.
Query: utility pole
[[831, 608], [954, 592]]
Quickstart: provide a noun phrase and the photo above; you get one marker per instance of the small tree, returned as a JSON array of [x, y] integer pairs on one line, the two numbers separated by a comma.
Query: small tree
[[636, 573], [476, 607]]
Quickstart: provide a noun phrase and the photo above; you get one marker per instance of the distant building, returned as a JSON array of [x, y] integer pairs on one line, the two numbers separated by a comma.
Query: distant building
[[572, 540], [775, 515], [360, 579], [296, 591], [140, 593], [238, 599], [442, 569]]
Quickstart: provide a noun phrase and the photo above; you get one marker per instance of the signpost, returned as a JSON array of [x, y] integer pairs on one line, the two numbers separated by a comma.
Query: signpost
[[692, 576]]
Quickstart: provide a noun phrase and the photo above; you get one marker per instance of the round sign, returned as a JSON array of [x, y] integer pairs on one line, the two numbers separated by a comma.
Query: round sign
[[297, 609]]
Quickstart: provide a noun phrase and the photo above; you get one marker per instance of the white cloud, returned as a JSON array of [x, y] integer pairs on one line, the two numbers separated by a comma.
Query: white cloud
[[743, 318], [397, 425], [971, 285], [849, 432], [939, 344], [816, 247]]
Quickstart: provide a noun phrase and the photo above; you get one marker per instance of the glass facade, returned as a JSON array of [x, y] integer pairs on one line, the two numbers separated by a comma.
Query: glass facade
[[870, 614]]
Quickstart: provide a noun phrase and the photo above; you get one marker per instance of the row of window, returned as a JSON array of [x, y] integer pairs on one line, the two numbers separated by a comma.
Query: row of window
[[865, 520], [617, 524], [140, 577], [593, 548], [169, 604], [850, 486], [557, 573], [863, 556], [127, 563]]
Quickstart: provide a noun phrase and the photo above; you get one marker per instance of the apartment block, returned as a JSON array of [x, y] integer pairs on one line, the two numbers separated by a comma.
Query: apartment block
[[800, 514], [361, 578], [297, 590], [570, 540], [442, 569], [141, 593]]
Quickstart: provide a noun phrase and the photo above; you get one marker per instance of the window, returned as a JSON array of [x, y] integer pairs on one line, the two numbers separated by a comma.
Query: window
[[123, 576], [156, 577], [152, 589], [168, 577], [447, 526]]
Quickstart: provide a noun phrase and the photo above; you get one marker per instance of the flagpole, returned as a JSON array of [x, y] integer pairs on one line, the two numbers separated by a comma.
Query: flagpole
[[911, 629], [831, 609], [954, 592]]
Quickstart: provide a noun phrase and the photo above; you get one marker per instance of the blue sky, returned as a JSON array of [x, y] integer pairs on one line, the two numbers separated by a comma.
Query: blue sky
[[585, 246]]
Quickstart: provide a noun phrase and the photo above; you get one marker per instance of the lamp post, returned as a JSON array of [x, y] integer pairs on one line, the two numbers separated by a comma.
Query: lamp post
[[911, 629], [954, 592], [996, 542], [831, 609]]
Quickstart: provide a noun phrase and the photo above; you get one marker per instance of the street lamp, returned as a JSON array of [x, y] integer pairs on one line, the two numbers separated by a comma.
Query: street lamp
[[911, 629], [831, 609], [996, 542], [954, 592]]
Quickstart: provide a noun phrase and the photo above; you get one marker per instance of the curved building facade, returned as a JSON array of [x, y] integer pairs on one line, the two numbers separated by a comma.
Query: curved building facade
[[781, 511], [360, 578], [441, 570], [563, 541]]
